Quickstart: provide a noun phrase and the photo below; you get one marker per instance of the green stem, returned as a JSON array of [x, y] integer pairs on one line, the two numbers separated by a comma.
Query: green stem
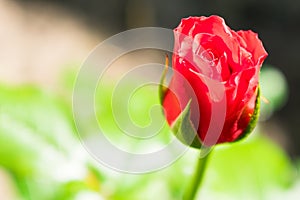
[[196, 179]]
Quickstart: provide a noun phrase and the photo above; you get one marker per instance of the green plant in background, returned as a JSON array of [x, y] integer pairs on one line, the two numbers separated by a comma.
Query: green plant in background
[[40, 151], [275, 91], [38, 144]]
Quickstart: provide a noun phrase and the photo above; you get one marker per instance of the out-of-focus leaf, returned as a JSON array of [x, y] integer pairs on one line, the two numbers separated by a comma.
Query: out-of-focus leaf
[[131, 117], [250, 169], [274, 90], [38, 144], [33, 125]]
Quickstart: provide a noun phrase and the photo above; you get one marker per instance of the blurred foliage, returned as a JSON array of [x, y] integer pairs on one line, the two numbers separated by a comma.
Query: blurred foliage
[[40, 150], [37, 141], [274, 92], [250, 169]]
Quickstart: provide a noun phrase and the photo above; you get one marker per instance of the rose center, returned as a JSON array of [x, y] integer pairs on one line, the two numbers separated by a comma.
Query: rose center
[[207, 63], [208, 56]]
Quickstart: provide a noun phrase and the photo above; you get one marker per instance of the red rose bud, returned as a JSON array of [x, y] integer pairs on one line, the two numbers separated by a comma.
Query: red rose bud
[[214, 91]]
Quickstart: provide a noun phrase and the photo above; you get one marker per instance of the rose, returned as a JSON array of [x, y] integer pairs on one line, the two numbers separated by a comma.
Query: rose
[[218, 65]]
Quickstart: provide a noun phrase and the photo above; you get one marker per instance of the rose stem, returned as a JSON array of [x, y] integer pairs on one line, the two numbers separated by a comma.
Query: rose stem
[[196, 179]]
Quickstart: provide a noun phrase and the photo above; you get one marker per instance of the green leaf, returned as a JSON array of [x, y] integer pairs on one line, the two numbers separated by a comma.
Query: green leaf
[[184, 129], [162, 89], [254, 117]]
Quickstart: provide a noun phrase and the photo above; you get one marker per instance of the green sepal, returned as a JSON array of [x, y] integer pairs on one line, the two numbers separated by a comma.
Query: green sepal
[[254, 117], [162, 89], [184, 129]]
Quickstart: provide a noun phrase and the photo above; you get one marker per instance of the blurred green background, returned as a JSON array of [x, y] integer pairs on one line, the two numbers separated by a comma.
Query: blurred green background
[[43, 44]]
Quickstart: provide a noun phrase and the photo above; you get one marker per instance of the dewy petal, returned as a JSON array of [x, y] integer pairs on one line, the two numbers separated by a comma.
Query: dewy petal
[[216, 88], [185, 46], [179, 93], [242, 87], [200, 100], [210, 26], [250, 41], [208, 58], [171, 106]]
